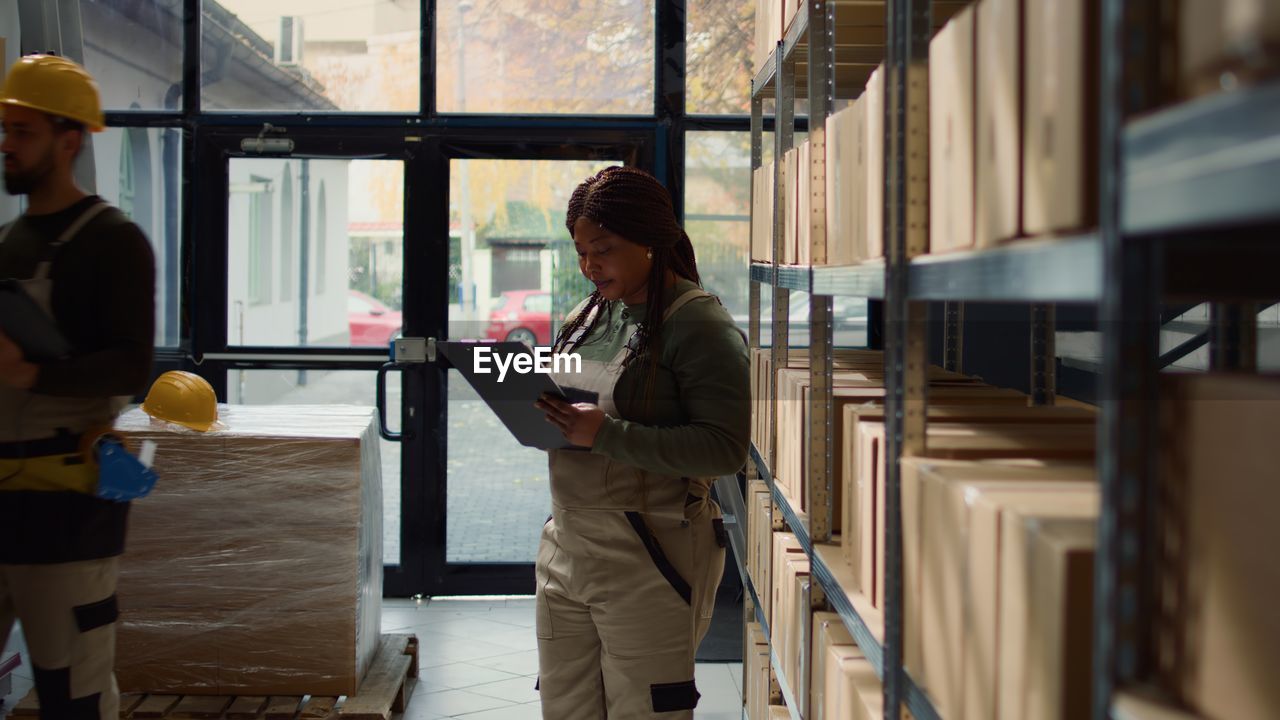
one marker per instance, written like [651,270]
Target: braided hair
[633,204]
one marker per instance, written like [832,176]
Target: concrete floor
[479,661]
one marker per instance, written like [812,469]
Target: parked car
[523,315]
[371,323]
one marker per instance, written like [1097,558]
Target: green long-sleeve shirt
[699,424]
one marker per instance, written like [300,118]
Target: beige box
[804,204]
[984,437]
[763,536]
[951,135]
[755,674]
[1220,575]
[1055,657]
[998,159]
[1147,705]
[758,508]
[233,543]
[956,532]
[852,490]
[828,631]
[846,180]
[795,622]
[838,691]
[915,530]
[859,694]
[868,700]
[762,202]
[1060,116]
[785,547]
[873,127]
[958,442]
[995,607]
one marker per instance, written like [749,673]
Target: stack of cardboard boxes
[1013,123]
[258,533]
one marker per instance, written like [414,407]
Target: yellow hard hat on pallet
[183,398]
[57,86]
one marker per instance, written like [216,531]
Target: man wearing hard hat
[90,272]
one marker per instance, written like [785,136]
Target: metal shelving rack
[1188,211]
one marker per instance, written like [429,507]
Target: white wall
[275,322]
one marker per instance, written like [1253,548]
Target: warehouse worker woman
[90,270]
[629,563]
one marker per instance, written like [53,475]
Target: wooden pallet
[386,688]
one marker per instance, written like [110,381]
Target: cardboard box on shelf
[804,204]
[757,506]
[868,700]
[785,547]
[915,529]
[828,631]
[1148,705]
[838,690]
[997,158]
[1219,460]
[996,616]
[846,178]
[961,508]
[764,556]
[755,675]
[956,442]
[951,135]
[796,649]
[1060,116]
[859,694]
[873,127]
[1054,659]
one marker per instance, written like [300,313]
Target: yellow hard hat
[183,398]
[57,86]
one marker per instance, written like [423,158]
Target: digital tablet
[28,326]
[513,392]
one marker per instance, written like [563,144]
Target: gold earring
[649,254]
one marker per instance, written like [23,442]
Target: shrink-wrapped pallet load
[255,566]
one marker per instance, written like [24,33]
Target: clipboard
[29,326]
[513,397]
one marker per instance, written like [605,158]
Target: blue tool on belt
[122,476]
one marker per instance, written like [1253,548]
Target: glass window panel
[514,275]
[139,171]
[719,50]
[717,210]
[312,55]
[333,387]
[499,494]
[133,48]
[509,245]
[545,56]
[308,272]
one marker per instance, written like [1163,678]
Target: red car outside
[371,323]
[523,315]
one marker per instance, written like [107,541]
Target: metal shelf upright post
[906,354]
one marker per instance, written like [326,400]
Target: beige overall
[68,610]
[626,578]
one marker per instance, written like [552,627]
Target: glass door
[313,246]
[512,274]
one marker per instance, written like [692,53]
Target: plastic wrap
[255,566]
